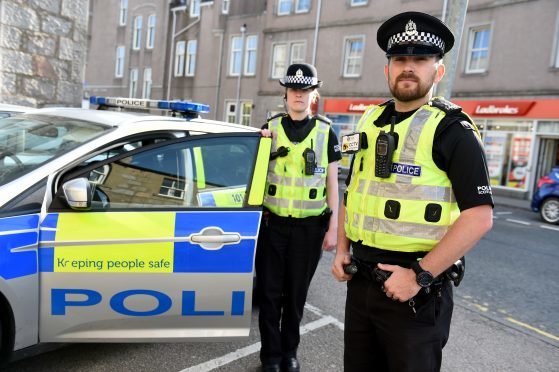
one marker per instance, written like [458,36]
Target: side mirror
[77,193]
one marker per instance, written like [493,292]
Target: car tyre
[550,210]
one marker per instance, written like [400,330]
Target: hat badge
[411,28]
[299,73]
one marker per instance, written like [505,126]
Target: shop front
[521,137]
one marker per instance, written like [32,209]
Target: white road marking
[549,227]
[254,348]
[503,212]
[518,221]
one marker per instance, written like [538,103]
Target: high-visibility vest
[289,192]
[412,209]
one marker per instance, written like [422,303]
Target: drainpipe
[218,83]
[173,36]
[315,43]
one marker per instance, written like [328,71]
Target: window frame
[242,103]
[356,3]
[123,12]
[232,57]
[248,53]
[273,75]
[133,83]
[150,32]
[345,57]
[137,33]
[278,9]
[190,59]
[472,32]
[298,43]
[179,64]
[119,66]
[288,59]
[147,83]
[225,6]
[195,6]
[298,11]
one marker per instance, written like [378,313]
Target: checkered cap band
[420,37]
[305,80]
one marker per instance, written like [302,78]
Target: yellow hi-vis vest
[289,192]
[412,209]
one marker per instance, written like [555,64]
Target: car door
[142,254]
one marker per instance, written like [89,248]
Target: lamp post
[238,104]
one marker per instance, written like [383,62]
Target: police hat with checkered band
[414,33]
[301,76]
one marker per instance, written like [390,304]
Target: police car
[127,227]
[7,110]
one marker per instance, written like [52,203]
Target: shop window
[353,56]
[478,49]
[342,125]
[508,151]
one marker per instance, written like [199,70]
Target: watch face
[424,279]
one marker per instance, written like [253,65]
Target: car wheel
[550,210]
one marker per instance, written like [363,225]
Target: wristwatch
[424,278]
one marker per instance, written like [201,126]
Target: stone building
[42,51]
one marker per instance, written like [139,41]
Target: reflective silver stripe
[408,191]
[406,229]
[273,127]
[322,130]
[315,181]
[412,139]
[297,204]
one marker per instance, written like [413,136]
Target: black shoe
[291,364]
[271,367]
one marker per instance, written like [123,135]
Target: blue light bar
[146,104]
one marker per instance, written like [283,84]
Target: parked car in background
[7,110]
[546,198]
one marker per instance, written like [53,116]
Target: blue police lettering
[406,169]
[89,297]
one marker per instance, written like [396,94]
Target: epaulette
[323,119]
[386,102]
[444,105]
[277,116]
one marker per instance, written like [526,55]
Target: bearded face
[411,78]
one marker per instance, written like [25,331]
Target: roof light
[146,104]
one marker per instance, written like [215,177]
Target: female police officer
[300,219]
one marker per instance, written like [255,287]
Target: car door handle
[225,238]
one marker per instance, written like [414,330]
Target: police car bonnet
[414,33]
[301,76]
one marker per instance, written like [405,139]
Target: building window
[478,49]
[179,58]
[150,37]
[297,53]
[358,2]
[235,60]
[225,6]
[353,56]
[123,12]
[279,56]
[133,83]
[284,7]
[191,57]
[231,112]
[195,8]
[137,36]
[250,54]
[302,6]
[172,188]
[119,65]
[146,89]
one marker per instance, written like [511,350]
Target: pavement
[511,202]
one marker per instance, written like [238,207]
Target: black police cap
[301,76]
[414,33]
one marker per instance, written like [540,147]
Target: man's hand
[402,284]
[330,240]
[341,259]
[266,132]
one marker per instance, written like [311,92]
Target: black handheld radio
[384,150]
[310,160]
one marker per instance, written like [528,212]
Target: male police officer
[301,184]
[416,202]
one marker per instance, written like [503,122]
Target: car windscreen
[27,142]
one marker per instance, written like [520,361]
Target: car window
[199,173]
[27,142]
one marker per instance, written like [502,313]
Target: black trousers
[286,259]
[385,335]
